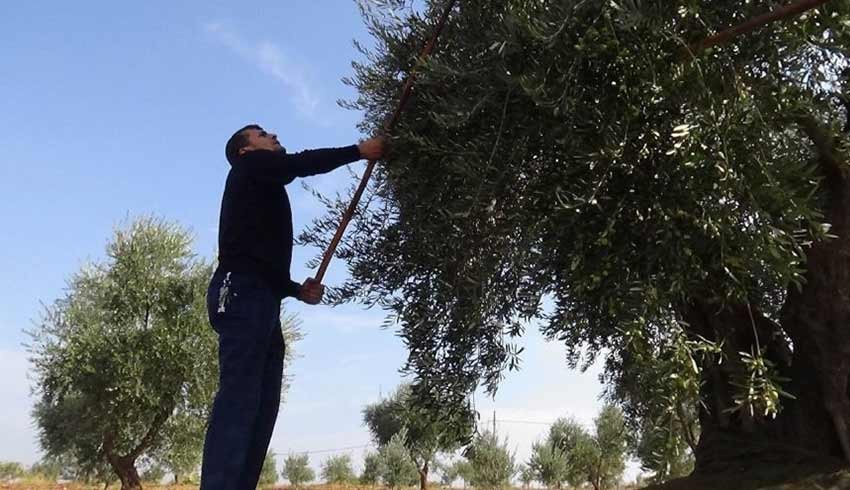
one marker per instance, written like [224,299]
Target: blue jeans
[245,314]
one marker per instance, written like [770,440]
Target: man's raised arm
[286,167]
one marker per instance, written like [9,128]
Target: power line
[532,422]
[316,451]
[348,448]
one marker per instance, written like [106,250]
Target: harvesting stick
[388,126]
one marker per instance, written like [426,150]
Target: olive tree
[691,206]
[125,363]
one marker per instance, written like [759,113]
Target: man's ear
[243,150]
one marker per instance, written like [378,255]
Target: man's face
[259,139]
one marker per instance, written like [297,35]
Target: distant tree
[547,464]
[110,357]
[296,469]
[371,469]
[426,433]
[268,475]
[575,446]
[10,470]
[337,469]
[446,471]
[49,468]
[571,455]
[463,469]
[91,472]
[607,453]
[385,419]
[563,456]
[492,463]
[153,473]
[125,363]
[397,466]
[526,475]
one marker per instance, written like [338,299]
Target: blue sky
[115,109]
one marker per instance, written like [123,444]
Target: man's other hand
[373,148]
[311,292]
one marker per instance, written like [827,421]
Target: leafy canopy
[560,163]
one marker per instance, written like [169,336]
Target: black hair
[237,142]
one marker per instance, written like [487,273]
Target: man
[244,296]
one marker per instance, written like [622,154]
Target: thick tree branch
[159,420]
[725,36]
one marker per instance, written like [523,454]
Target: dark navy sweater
[255,225]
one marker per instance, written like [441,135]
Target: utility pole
[494,423]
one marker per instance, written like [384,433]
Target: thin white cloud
[272,60]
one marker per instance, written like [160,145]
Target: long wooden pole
[779,13]
[388,126]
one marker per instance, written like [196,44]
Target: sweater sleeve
[292,289]
[284,167]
